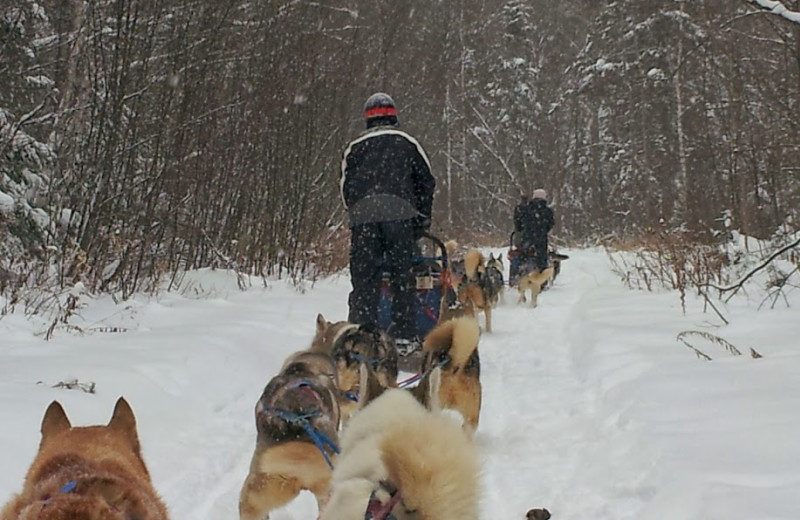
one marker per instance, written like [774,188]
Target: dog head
[363,344]
[87,472]
[326,334]
[119,436]
[495,262]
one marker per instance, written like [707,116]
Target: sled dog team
[480,282]
[335,421]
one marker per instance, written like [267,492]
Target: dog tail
[459,336]
[437,477]
[473,263]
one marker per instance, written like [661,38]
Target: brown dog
[473,290]
[297,412]
[87,473]
[453,346]
[533,282]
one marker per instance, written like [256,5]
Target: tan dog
[473,290]
[453,346]
[87,473]
[533,282]
[401,458]
[298,409]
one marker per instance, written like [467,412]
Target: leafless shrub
[670,259]
[74,384]
[684,337]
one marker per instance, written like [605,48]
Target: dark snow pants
[377,248]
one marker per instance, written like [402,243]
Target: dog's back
[435,466]
[87,473]
[299,389]
[533,282]
[395,445]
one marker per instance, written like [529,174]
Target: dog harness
[321,441]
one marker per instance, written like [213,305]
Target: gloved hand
[420,224]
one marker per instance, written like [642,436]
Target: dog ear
[55,420]
[124,421]
[369,387]
[322,323]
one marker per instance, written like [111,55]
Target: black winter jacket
[386,176]
[533,220]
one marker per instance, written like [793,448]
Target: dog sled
[434,292]
[521,260]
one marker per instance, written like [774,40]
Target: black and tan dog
[404,460]
[453,346]
[473,291]
[297,423]
[495,281]
[362,344]
[87,473]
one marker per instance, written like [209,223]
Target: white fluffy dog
[401,458]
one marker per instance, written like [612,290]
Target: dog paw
[538,514]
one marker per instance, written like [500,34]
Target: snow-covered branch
[777,8]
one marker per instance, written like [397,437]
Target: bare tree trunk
[75,81]
[682,184]
[449,163]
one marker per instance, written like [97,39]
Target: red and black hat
[380,109]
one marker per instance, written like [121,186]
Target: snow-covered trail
[542,421]
[538,419]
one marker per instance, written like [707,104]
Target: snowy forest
[140,138]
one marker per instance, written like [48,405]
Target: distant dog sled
[522,262]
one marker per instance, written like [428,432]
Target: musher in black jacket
[387,188]
[533,220]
